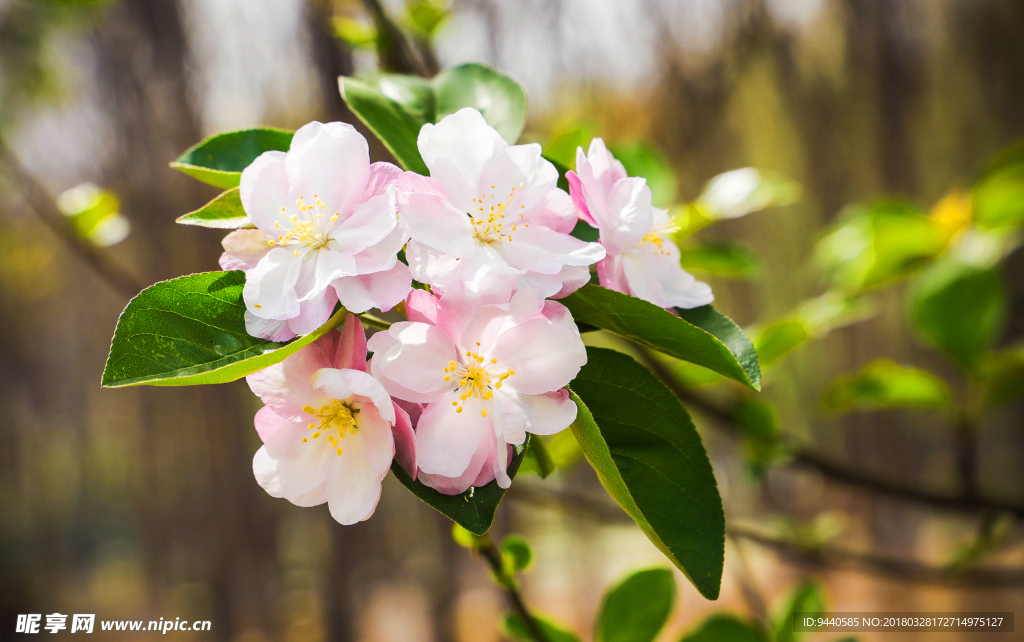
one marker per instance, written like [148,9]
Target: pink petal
[285,387]
[456,150]
[354,478]
[269,329]
[419,359]
[313,313]
[446,439]
[351,352]
[578,197]
[383,290]
[383,255]
[548,413]
[421,307]
[382,176]
[343,384]
[243,249]
[367,224]
[433,221]
[405,442]
[544,355]
[269,290]
[480,471]
[543,250]
[610,275]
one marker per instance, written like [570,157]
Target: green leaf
[517,551]
[703,335]
[190,331]
[516,629]
[644,161]
[959,308]
[473,509]
[806,598]
[395,107]
[780,338]
[538,461]
[425,16]
[501,100]
[465,539]
[877,243]
[650,459]
[220,159]
[561,148]
[721,258]
[998,197]
[636,609]
[354,33]
[885,384]
[743,191]
[224,212]
[1002,375]
[726,628]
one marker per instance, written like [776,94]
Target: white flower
[326,230]
[642,260]
[516,233]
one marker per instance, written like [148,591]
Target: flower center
[489,225]
[337,416]
[475,379]
[656,236]
[307,229]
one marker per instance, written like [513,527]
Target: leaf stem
[491,553]
[374,322]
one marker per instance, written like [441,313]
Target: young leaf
[806,598]
[518,552]
[702,335]
[538,460]
[517,630]
[721,258]
[473,509]
[220,159]
[650,459]
[726,628]
[885,384]
[224,212]
[501,100]
[396,107]
[998,198]
[190,331]
[636,609]
[780,338]
[959,308]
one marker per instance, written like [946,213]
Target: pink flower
[642,260]
[326,230]
[329,429]
[487,374]
[516,233]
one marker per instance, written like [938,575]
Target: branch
[824,556]
[724,418]
[44,206]
[493,557]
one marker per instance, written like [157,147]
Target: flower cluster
[485,355]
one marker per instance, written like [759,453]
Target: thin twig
[39,199]
[724,418]
[491,553]
[825,556]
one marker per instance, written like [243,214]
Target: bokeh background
[140,503]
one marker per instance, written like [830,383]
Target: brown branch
[825,556]
[723,417]
[39,199]
[491,553]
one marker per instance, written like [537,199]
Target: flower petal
[263,189]
[480,471]
[344,384]
[544,250]
[415,361]
[354,478]
[269,329]
[243,249]
[285,387]
[405,442]
[446,439]
[269,290]
[545,356]
[351,350]
[433,221]
[382,176]
[367,224]
[421,307]
[313,313]
[630,215]
[455,151]
[548,413]
[383,290]
[329,160]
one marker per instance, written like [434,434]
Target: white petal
[545,356]
[243,249]
[269,290]
[342,384]
[432,221]
[264,189]
[544,250]
[455,151]
[329,160]
[446,439]
[383,290]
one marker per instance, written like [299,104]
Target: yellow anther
[458,410]
[339,452]
[483,413]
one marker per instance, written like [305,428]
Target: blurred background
[140,503]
